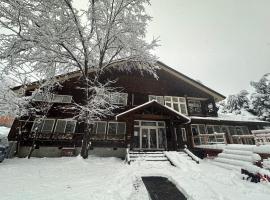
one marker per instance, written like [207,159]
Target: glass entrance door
[149,138]
[149,135]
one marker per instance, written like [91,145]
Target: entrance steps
[147,156]
[236,158]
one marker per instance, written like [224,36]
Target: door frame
[156,128]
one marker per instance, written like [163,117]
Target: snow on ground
[110,178]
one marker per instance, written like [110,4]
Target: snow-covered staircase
[181,159]
[147,156]
[236,158]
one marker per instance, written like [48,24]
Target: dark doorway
[161,188]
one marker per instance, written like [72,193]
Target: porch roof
[167,110]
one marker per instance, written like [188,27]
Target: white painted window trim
[42,124]
[66,120]
[199,131]
[184,134]
[118,95]
[106,127]
[179,103]
[155,97]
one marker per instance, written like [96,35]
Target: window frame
[116,134]
[192,109]
[66,120]
[118,97]
[180,101]
[42,125]
[155,97]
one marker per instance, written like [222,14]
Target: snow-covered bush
[260,99]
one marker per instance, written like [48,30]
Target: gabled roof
[154,103]
[217,96]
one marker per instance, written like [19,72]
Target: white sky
[223,43]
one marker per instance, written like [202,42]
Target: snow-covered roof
[148,103]
[245,116]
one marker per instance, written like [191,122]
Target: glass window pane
[182,100]
[57,98]
[217,129]
[101,127]
[175,99]
[70,127]
[232,130]
[168,104]
[160,99]
[238,130]
[202,129]
[66,99]
[167,98]
[136,123]
[194,130]
[210,129]
[176,107]
[161,123]
[112,128]
[151,97]
[37,125]
[47,126]
[245,130]
[60,126]
[121,129]
[143,123]
[183,108]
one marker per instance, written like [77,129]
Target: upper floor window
[119,98]
[194,106]
[159,99]
[54,98]
[176,103]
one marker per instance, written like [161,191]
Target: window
[116,130]
[184,134]
[119,98]
[99,130]
[213,129]
[159,99]
[54,98]
[176,103]
[198,129]
[43,126]
[42,97]
[65,126]
[61,98]
[194,106]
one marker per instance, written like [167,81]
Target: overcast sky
[223,43]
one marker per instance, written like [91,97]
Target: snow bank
[109,178]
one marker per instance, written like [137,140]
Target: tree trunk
[85,141]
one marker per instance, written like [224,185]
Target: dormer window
[119,98]
[194,106]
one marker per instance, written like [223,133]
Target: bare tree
[42,35]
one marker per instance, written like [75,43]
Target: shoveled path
[161,188]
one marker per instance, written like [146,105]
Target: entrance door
[149,138]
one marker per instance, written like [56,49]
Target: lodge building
[154,114]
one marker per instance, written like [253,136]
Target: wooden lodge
[155,114]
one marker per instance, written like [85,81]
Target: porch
[152,126]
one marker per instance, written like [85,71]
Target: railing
[190,154]
[127,154]
[206,139]
[243,139]
[261,137]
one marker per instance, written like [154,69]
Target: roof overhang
[169,111]
[217,96]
